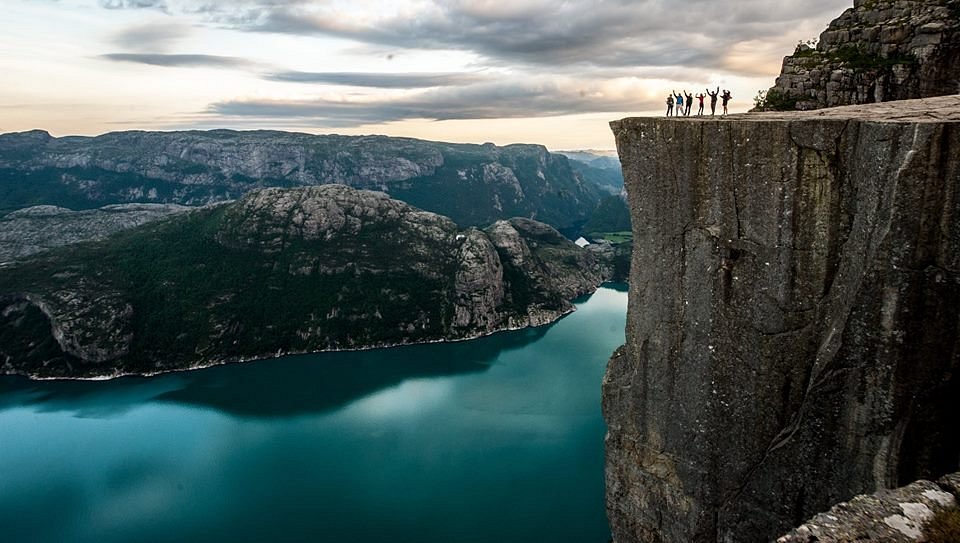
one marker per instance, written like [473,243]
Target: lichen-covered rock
[280,271]
[792,332]
[879,50]
[894,516]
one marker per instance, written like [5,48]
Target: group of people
[685,101]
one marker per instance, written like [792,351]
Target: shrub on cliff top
[944,527]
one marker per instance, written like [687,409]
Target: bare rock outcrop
[894,516]
[39,228]
[793,334]
[876,51]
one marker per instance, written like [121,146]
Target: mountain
[280,271]
[876,51]
[599,168]
[472,184]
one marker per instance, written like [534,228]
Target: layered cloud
[357,63]
[490,100]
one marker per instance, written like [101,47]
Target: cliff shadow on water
[284,387]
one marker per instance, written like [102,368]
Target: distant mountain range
[474,185]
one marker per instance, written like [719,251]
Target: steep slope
[472,184]
[793,333]
[877,51]
[281,270]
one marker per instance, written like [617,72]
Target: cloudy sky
[539,71]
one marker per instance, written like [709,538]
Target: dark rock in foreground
[793,335]
[280,271]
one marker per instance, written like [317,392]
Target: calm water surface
[493,440]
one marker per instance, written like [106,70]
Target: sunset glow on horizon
[532,71]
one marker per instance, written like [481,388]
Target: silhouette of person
[689,101]
[669,105]
[713,100]
[679,102]
[700,97]
[726,98]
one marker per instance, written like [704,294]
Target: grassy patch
[613,237]
[944,527]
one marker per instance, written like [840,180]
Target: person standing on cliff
[700,97]
[669,105]
[713,100]
[726,98]
[679,101]
[689,101]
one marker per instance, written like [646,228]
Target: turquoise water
[493,440]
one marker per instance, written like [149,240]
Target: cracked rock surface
[792,332]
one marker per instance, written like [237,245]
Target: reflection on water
[498,439]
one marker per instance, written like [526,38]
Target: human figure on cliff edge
[713,100]
[679,101]
[669,105]
[700,97]
[726,98]
[688,98]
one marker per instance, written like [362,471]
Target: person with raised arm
[713,100]
[679,102]
[726,98]
[688,98]
[700,97]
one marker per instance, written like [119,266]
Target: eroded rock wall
[876,51]
[792,335]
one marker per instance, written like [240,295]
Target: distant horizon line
[174,130]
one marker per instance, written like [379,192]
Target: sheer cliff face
[876,51]
[792,337]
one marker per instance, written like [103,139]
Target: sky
[504,71]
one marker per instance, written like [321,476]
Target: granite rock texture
[876,51]
[793,334]
[894,516]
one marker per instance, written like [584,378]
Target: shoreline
[280,353]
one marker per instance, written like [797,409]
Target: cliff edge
[793,334]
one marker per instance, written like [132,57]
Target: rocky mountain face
[472,184]
[877,51]
[792,333]
[35,229]
[280,271]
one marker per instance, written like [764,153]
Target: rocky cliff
[473,184]
[280,271]
[877,51]
[793,335]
